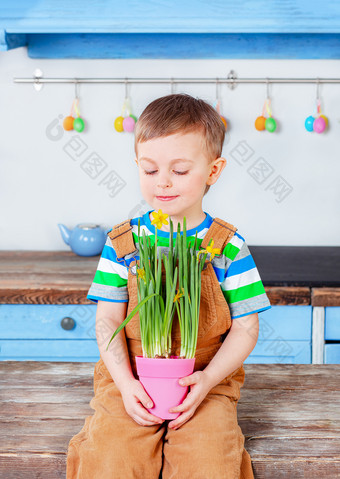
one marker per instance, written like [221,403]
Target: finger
[146,401]
[188,380]
[143,422]
[185,406]
[183,418]
[148,416]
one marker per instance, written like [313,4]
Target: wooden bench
[289,414]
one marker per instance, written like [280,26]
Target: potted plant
[158,370]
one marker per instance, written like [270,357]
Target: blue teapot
[85,239]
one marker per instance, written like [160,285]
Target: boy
[178,145]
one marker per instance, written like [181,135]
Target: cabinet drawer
[332,323]
[49,350]
[281,351]
[332,354]
[44,321]
[286,322]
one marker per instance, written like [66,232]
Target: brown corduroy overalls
[210,445]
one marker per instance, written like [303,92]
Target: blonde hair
[183,113]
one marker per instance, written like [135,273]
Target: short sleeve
[242,285]
[110,280]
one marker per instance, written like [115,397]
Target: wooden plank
[62,277]
[325,296]
[287,433]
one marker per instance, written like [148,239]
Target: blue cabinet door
[332,323]
[39,332]
[285,336]
[332,335]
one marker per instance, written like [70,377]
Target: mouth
[166,198]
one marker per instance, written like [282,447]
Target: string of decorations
[126,121]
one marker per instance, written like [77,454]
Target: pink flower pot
[160,377]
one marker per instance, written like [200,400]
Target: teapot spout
[65,233]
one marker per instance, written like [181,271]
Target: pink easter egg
[128,124]
[319,125]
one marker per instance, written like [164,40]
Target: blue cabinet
[332,335]
[40,332]
[285,336]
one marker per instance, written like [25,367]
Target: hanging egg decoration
[119,124]
[129,124]
[260,123]
[224,122]
[319,123]
[68,123]
[78,124]
[325,118]
[270,124]
[309,122]
[127,121]
[266,123]
[74,123]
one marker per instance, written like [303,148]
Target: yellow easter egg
[325,118]
[119,124]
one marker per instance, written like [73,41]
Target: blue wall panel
[172,29]
[181,45]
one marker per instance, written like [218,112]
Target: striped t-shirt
[235,269]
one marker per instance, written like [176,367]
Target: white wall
[41,185]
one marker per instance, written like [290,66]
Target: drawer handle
[67,323]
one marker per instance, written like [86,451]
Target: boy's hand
[200,386]
[135,401]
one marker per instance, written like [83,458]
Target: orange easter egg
[224,121]
[68,123]
[260,123]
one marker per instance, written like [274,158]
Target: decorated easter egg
[270,124]
[119,124]
[78,124]
[134,117]
[309,123]
[128,124]
[68,123]
[319,125]
[224,121]
[326,119]
[260,123]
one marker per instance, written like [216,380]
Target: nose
[164,181]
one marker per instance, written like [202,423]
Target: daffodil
[178,295]
[141,273]
[210,249]
[160,218]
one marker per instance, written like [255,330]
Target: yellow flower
[210,249]
[178,295]
[159,218]
[141,273]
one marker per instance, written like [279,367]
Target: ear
[216,169]
[136,160]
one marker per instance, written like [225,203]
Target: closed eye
[177,172]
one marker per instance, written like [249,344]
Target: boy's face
[176,166]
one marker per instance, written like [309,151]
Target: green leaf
[133,312]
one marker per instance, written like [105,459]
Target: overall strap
[122,239]
[221,232]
